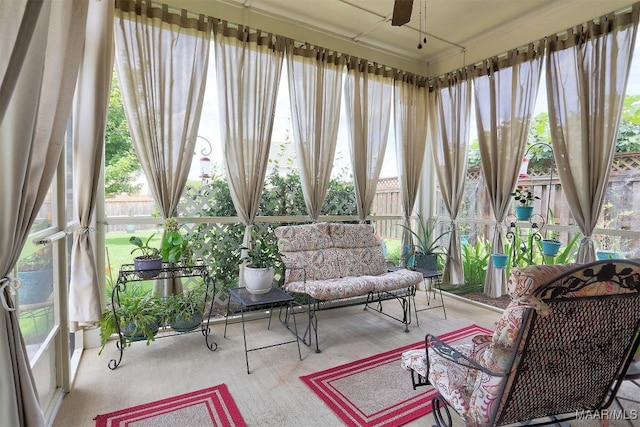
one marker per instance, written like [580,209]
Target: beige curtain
[249,65]
[410,115]
[89,121]
[161,60]
[42,45]
[367,91]
[315,89]
[449,123]
[587,72]
[505,94]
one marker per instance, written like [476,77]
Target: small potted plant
[139,315]
[426,244]
[261,259]
[184,311]
[149,263]
[551,245]
[524,199]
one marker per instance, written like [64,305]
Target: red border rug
[212,406]
[376,391]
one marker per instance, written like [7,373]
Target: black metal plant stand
[524,239]
[128,274]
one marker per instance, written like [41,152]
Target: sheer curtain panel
[587,73]
[505,94]
[42,44]
[449,123]
[367,90]
[249,66]
[315,89]
[89,122]
[410,111]
[161,60]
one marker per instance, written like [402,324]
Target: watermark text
[609,414]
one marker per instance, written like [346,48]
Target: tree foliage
[541,156]
[122,167]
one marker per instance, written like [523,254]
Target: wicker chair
[559,351]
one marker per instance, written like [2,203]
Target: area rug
[212,406]
[376,391]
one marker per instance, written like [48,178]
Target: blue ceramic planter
[523,213]
[550,247]
[602,255]
[499,260]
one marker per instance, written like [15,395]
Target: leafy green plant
[175,244]
[475,259]
[139,315]
[523,196]
[185,305]
[144,247]
[426,240]
[261,255]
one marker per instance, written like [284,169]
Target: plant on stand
[184,311]
[427,245]
[550,245]
[149,263]
[523,198]
[262,259]
[137,316]
[176,246]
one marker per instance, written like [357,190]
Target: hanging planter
[499,260]
[550,247]
[604,255]
[523,213]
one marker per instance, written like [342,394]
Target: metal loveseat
[559,351]
[334,265]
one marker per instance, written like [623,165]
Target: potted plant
[149,263]
[176,246]
[139,315]
[261,259]
[523,198]
[184,311]
[36,277]
[426,244]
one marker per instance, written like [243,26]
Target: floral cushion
[360,261]
[303,237]
[333,261]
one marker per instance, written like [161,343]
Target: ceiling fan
[401,12]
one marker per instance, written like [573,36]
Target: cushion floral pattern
[339,261]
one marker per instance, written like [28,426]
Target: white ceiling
[459,32]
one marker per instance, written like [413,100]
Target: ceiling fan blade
[401,12]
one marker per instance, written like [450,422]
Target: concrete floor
[273,394]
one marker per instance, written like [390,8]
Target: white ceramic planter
[258,280]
